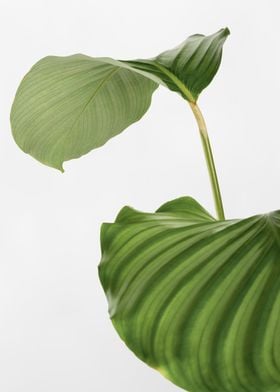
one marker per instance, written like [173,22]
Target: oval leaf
[67,106]
[195,298]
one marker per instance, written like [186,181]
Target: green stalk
[209,160]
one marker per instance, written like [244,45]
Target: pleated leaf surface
[195,298]
[190,67]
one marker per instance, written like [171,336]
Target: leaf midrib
[181,86]
[111,74]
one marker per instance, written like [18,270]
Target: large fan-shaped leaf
[195,298]
[67,106]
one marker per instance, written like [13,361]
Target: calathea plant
[195,297]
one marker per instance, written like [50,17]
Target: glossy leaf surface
[67,106]
[195,298]
[190,67]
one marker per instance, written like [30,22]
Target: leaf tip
[226,31]
[222,34]
[56,165]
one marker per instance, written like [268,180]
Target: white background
[55,335]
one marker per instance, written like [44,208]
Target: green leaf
[195,298]
[190,67]
[67,106]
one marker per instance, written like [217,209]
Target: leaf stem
[209,160]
